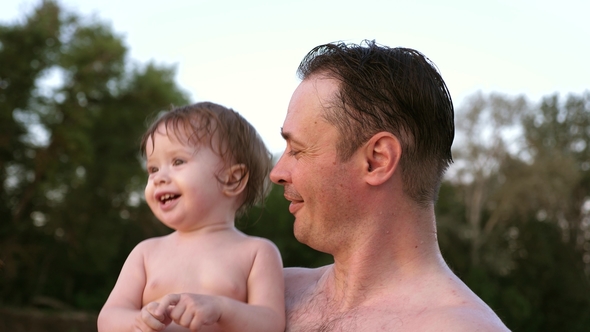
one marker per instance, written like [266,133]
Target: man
[369,133]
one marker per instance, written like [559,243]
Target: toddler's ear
[235,180]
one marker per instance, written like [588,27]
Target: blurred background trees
[513,213]
[73,107]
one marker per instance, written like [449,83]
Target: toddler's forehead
[183,134]
[174,136]
[190,135]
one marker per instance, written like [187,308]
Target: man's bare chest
[354,320]
[316,313]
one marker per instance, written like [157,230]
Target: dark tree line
[513,214]
[72,108]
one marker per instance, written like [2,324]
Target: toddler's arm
[122,310]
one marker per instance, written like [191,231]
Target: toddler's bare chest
[201,274]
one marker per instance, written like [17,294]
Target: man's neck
[383,262]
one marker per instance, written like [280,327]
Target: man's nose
[279,173]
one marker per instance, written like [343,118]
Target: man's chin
[299,234]
[305,237]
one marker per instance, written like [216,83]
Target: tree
[531,207]
[486,128]
[559,133]
[73,107]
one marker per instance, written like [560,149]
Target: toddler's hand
[152,319]
[191,310]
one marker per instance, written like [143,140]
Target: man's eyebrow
[289,137]
[286,136]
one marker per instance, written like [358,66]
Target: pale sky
[244,54]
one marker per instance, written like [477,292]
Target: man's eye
[293,152]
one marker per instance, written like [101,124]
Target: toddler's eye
[177,162]
[152,170]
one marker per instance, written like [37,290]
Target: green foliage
[71,201]
[532,222]
[558,136]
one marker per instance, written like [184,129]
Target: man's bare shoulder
[459,318]
[452,306]
[297,278]
[300,286]
[440,301]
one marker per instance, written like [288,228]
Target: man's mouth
[292,195]
[295,199]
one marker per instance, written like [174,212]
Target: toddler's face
[182,185]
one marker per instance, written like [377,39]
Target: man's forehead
[320,86]
[312,97]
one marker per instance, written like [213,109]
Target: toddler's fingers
[177,312]
[146,322]
[187,319]
[151,310]
[165,303]
[195,323]
[153,324]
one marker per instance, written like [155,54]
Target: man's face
[319,186]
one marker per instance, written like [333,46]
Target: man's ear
[235,180]
[382,154]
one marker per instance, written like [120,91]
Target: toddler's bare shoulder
[149,245]
[259,243]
